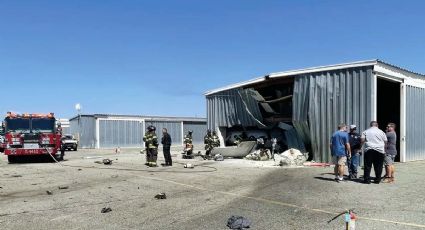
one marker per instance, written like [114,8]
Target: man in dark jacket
[355,143]
[166,144]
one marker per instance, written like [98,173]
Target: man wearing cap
[340,149]
[374,141]
[390,153]
[355,144]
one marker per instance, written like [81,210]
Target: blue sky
[159,57]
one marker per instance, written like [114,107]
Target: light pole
[78,108]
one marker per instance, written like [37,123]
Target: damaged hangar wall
[226,109]
[323,100]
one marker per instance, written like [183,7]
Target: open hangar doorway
[389,107]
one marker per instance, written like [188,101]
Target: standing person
[215,140]
[188,143]
[151,144]
[208,143]
[374,141]
[390,153]
[166,146]
[356,148]
[340,149]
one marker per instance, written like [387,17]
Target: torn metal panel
[323,100]
[242,150]
[232,108]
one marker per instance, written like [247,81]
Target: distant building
[65,125]
[111,131]
[315,100]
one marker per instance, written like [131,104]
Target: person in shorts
[340,149]
[390,153]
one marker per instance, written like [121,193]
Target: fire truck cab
[31,134]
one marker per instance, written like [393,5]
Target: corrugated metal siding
[66,130]
[323,100]
[415,124]
[227,109]
[199,130]
[174,129]
[85,129]
[120,133]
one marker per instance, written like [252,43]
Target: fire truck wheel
[75,149]
[12,159]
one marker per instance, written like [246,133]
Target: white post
[97,133]
[182,131]
[403,122]
[374,97]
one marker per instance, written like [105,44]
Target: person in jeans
[374,141]
[390,153]
[340,146]
[356,148]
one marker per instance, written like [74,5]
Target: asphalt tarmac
[71,195]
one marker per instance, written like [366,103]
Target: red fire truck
[31,134]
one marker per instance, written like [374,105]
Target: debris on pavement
[218,157]
[238,222]
[106,210]
[189,166]
[160,196]
[258,156]
[291,157]
[63,187]
[317,164]
[49,192]
[16,175]
[107,161]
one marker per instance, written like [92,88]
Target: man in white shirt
[373,141]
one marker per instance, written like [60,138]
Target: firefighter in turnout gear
[151,144]
[208,143]
[215,140]
[188,143]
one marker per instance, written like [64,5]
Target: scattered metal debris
[79,169]
[291,157]
[218,157]
[160,196]
[106,210]
[63,187]
[259,155]
[16,175]
[189,166]
[238,222]
[107,161]
[49,192]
